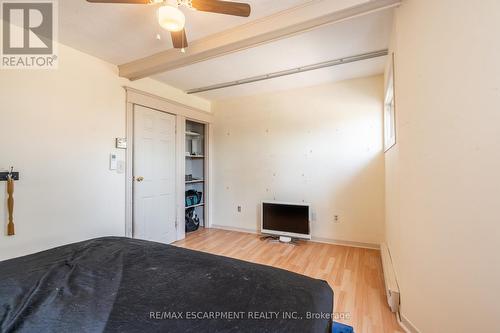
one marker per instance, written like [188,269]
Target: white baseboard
[406,324]
[223,227]
[346,243]
[314,239]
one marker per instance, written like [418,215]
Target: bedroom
[299,114]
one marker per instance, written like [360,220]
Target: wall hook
[5,176]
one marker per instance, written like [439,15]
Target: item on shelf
[192,220]
[192,198]
[194,146]
[191,133]
[189,177]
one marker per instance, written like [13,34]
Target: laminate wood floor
[355,274]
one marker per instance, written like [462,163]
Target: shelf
[195,156]
[189,133]
[194,206]
[194,181]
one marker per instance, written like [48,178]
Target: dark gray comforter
[127,285]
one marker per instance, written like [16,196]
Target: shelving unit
[194,181]
[194,206]
[195,166]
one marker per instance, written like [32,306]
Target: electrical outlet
[239,209]
[336,219]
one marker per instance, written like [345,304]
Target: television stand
[281,239]
[284,239]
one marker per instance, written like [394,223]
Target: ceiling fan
[171,18]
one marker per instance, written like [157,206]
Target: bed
[118,284]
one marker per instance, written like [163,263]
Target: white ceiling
[122,33]
[360,35]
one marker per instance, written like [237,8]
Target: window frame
[390,110]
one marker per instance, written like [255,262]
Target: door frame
[182,113]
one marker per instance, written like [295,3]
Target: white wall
[57,129]
[321,145]
[443,182]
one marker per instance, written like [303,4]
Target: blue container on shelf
[193,198]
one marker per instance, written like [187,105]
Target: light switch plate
[121,143]
[121,167]
[113,163]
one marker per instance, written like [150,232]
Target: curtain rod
[330,63]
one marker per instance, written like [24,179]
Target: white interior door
[154,175]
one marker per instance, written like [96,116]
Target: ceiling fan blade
[179,39]
[138,2]
[223,7]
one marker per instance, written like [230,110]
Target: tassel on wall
[10,204]
[10,177]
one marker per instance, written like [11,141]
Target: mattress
[118,284]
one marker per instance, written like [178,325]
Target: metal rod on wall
[330,63]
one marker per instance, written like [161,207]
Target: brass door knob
[139,179]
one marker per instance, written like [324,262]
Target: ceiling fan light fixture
[171,18]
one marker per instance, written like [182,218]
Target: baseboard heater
[391,284]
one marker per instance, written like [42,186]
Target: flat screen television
[287,220]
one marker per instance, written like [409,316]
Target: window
[389,111]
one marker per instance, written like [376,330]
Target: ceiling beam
[309,16]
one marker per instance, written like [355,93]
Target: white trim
[339,242]
[362,245]
[135,96]
[129,175]
[209,148]
[405,324]
[180,138]
[245,230]
[182,112]
[389,108]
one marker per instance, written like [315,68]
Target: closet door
[154,175]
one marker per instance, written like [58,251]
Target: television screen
[285,218]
